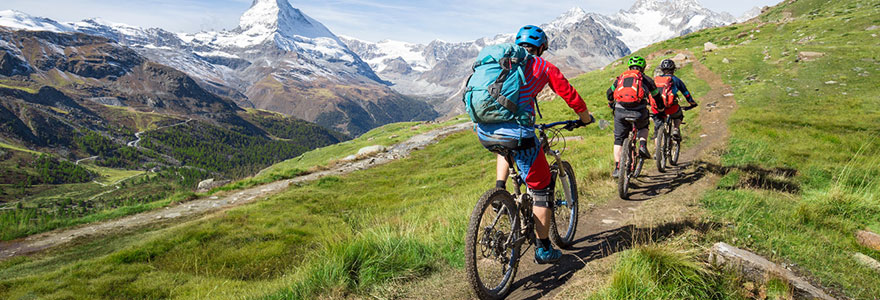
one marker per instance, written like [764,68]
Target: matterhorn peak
[278,16]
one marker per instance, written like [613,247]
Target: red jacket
[539,72]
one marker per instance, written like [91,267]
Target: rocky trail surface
[43,241]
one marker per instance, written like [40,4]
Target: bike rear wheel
[565,206]
[660,149]
[491,251]
[626,161]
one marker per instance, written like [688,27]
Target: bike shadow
[597,246]
[650,186]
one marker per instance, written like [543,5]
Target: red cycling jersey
[539,72]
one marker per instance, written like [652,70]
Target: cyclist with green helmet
[628,97]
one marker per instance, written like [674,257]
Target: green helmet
[637,61]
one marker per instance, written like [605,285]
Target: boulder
[709,47]
[867,261]
[210,183]
[807,55]
[370,150]
[868,239]
[758,269]
[680,58]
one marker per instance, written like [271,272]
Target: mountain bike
[502,222]
[630,160]
[667,149]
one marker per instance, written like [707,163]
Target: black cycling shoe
[643,152]
[615,173]
[676,135]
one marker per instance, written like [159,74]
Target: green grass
[16,148]
[803,155]
[112,176]
[664,272]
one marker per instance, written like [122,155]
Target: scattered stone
[158,217]
[868,239]
[709,47]
[172,215]
[349,158]
[680,58]
[370,150]
[607,221]
[573,138]
[728,95]
[873,35]
[214,198]
[370,139]
[703,135]
[758,269]
[807,55]
[415,127]
[831,82]
[874,27]
[604,124]
[867,261]
[725,60]
[393,136]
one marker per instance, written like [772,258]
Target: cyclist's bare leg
[617,153]
[502,168]
[542,221]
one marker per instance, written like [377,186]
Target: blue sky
[372,20]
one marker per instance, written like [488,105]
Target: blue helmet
[532,35]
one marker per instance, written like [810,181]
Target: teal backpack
[492,91]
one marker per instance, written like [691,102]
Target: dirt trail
[39,242]
[657,207]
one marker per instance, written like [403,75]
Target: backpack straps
[495,92]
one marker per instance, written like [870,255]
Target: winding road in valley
[138,134]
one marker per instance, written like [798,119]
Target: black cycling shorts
[622,127]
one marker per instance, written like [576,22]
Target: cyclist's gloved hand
[611,105]
[692,106]
[571,126]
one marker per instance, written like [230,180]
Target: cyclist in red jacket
[674,111]
[628,98]
[530,155]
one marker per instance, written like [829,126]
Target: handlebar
[569,125]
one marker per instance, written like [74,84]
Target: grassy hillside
[803,157]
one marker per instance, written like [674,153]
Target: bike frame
[527,232]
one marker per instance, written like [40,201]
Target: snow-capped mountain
[651,21]
[278,58]
[579,42]
[751,13]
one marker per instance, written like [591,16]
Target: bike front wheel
[565,206]
[674,152]
[491,248]
[626,161]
